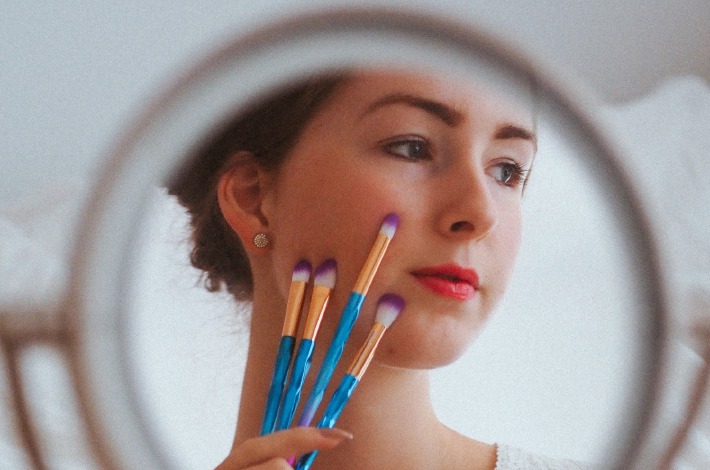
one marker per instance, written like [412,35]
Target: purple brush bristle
[389,225]
[301,272]
[325,273]
[389,306]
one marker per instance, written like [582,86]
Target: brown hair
[268,130]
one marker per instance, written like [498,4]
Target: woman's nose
[469,210]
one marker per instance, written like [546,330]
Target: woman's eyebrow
[511,131]
[445,113]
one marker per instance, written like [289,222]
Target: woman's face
[445,155]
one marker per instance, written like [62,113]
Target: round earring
[261,240]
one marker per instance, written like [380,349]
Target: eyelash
[518,175]
[516,178]
[390,147]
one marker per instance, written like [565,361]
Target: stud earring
[261,240]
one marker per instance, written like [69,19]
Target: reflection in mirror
[520,328]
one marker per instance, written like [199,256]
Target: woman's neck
[392,421]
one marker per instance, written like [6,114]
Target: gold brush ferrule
[319,301]
[367,351]
[293,308]
[372,263]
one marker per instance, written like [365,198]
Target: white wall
[73,73]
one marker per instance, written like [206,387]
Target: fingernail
[335,433]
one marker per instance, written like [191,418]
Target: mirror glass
[558,369]
[566,363]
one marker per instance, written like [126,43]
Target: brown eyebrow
[447,114]
[510,131]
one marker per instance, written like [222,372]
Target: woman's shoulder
[513,458]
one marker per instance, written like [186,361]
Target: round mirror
[533,297]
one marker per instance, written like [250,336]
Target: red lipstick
[449,280]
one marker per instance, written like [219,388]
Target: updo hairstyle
[268,130]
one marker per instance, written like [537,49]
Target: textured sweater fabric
[513,458]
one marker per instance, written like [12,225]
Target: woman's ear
[241,191]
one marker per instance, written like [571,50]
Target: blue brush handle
[298,375]
[331,415]
[332,356]
[283,357]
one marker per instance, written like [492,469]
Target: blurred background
[71,66]
[74,74]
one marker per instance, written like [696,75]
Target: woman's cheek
[505,256]
[344,228]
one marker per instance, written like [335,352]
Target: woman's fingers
[272,450]
[273,464]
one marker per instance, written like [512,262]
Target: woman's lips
[449,280]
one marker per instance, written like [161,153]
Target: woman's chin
[425,355]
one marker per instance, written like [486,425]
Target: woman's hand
[273,450]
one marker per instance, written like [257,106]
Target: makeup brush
[299,279]
[323,282]
[349,316]
[389,307]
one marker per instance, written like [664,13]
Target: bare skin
[449,172]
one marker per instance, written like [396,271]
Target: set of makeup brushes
[283,399]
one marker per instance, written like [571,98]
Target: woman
[313,172]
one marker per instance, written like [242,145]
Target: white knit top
[512,458]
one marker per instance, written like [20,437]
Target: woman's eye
[411,149]
[509,174]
